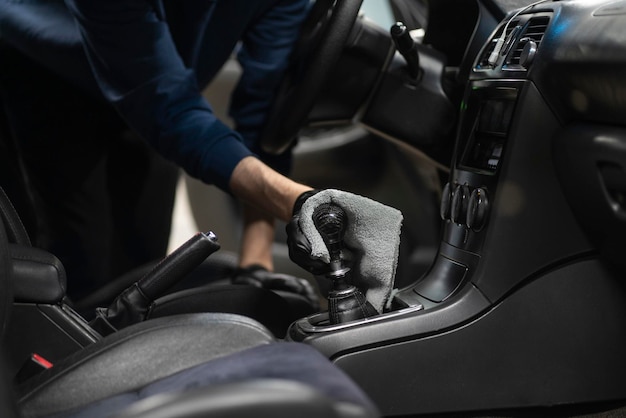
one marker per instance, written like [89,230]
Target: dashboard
[533,214]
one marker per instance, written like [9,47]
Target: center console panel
[514,287]
[514,310]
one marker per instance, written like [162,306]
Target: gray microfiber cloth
[372,234]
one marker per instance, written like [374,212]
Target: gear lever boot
[348,305]
[345,301]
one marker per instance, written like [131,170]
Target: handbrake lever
[134,303]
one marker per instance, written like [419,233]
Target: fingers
[257,276]
[300,249]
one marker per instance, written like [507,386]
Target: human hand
[372,237]
[258,276]
[298,244]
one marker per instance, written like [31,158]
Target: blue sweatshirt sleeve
[138,69]
[264,56]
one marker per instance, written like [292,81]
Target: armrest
[38,276]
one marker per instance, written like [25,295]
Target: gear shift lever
[330,221]
[345,301]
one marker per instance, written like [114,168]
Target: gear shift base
[348,304]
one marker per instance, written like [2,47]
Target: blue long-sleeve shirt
[151,59]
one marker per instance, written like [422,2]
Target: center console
[506,312]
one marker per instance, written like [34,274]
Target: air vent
[533,31]
[521,30]
[483,64]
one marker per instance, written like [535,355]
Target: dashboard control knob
[446,197]
[458,210]
[477,209]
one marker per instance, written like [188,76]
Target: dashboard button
[444,210]
[458,210]
[477,209]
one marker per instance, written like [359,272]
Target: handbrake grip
[134,303]
[178,264]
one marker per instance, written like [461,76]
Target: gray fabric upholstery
[314,383]
[136,356]
[257,398]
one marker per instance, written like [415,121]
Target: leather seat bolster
[134,357]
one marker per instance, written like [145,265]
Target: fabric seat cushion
[137,356]
[284,361]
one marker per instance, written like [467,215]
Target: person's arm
[139,71]
[260,186]
[257,239]
[264,56]
[253,182]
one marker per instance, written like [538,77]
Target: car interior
[495,126]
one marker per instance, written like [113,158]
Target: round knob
[528,53]
[446,197]
[330,221]
[458,210]
[477,209]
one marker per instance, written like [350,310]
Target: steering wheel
[324,34]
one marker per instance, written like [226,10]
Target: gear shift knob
[345,302]
[330,221]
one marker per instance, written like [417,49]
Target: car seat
[212,290]
[208,364]
[275,309]
[181,294]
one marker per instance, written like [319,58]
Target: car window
[378,11]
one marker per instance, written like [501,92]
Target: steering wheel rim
[323,37]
